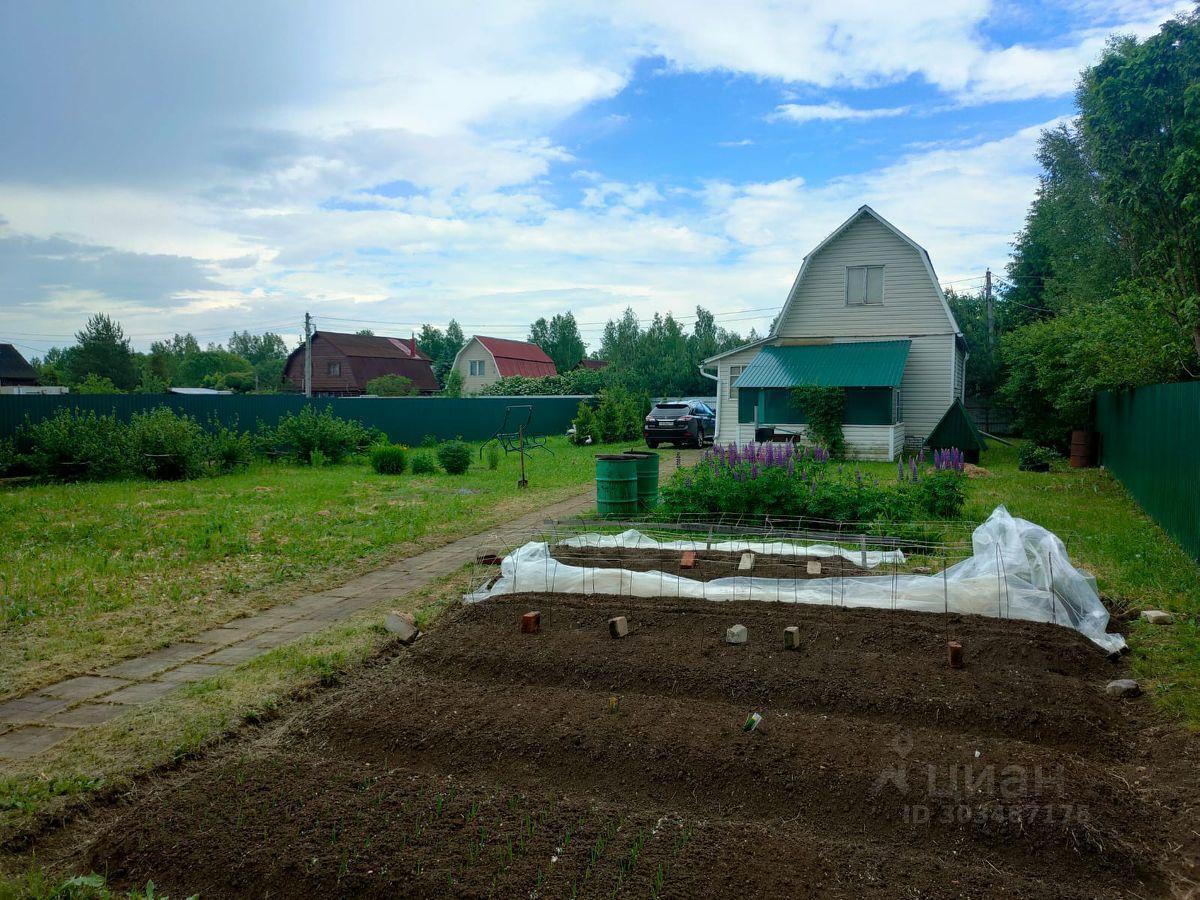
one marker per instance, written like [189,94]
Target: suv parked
[680,422]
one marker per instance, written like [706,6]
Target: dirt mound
[484,762]
[708,564]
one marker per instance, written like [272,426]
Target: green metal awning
[856,364]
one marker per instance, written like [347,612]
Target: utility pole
[991,319]
[308,355]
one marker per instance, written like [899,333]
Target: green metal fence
[1151,443]
[404,419]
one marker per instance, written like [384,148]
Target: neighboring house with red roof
[484,360]
[342,364]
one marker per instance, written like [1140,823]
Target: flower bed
[789,481]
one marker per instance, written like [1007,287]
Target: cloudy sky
[206,166]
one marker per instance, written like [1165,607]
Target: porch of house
[869,373]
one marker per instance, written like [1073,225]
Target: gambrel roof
[863,210]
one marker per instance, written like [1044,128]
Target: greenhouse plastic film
[635,540]
[1016,570]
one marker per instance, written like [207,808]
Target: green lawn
[93,573]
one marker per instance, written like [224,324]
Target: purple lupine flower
[858,476]
[915,475]
[900,469]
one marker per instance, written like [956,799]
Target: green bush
[73,445]
[228,448]
[941,495]
[455,457]
[8,456]
[165,445]
[392,386]
[1034,457]
[307,432]
[389,459]
[493,456]
[423,464]
[587,429]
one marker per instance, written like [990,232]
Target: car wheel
[653,445]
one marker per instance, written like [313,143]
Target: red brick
[954,654]
[531,623]
[689,560]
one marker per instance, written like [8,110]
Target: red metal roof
[518,357]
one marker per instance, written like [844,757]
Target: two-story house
[866,314]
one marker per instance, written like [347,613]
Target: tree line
[661,358]
[1103,287]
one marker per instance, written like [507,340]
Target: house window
[734,372]
[334,368]
[477,367]
[864,285]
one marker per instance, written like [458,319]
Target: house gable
[912,301]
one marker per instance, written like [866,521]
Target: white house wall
[473,350]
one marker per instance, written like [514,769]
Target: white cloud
[831,112]
[400,159]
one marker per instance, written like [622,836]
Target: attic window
[477,367]
[334,368]
[864,285]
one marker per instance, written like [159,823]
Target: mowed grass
[94,573]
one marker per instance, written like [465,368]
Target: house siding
[911,303]
[474,350]
[927,387]
[727,409]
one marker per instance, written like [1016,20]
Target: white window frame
[730,390]
[480,364]
[866,301]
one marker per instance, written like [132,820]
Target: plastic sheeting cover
[1017,570]
[635,540]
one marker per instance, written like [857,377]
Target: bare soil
[486,762]
[708,564]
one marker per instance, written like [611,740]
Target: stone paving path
[37,721]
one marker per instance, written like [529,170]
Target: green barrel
[616,485]
[647,475]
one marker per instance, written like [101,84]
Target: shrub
[391,386]
[389,459]
[74,445]
[941,494]
[165,445]
[423,464]
[8,456]
[1034,457]
[587,430]
[228,448]
[97,384]
[824,409]
[308,432]
[455,457]
[429,441]
[493,456]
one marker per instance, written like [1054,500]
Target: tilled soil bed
[709,564]
[486,762]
